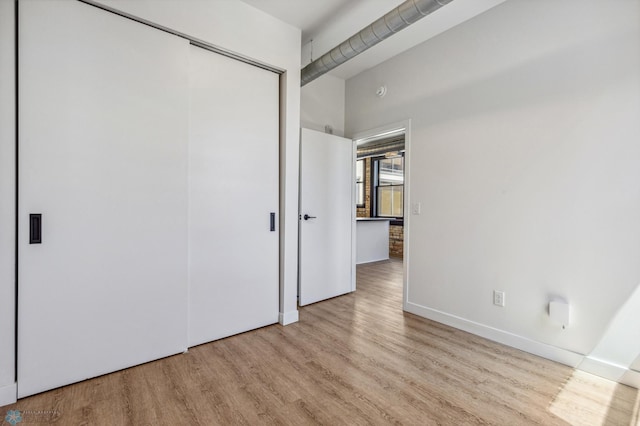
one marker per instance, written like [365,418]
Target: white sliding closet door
[103,158]
[233,189]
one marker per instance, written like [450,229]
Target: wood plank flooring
[353,360]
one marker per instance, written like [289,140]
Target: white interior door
[233,192]
[327,216]
[103,158]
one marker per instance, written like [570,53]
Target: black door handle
[307,217]
[35,228]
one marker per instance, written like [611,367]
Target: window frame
[375,173]
[361,183]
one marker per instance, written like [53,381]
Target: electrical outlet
[498,298]
[415,209]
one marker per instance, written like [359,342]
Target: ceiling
[306,15]
[327,23]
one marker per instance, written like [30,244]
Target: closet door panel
[233,189]
[103,128]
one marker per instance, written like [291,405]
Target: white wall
[619,347]
[322,104]
[7,203]
[242,29]
[524,155]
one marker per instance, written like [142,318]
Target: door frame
[398,125]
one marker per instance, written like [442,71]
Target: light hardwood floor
[354,360]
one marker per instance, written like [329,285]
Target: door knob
[307,217]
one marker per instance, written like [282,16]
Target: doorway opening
[381,179]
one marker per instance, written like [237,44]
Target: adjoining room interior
[472,235]
[380,176]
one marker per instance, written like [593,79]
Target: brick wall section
[396,239]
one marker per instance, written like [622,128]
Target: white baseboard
[610,371]
[8,394]
[631,378]
[286,318]
[544,350]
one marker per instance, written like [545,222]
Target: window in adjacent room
[389,186]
